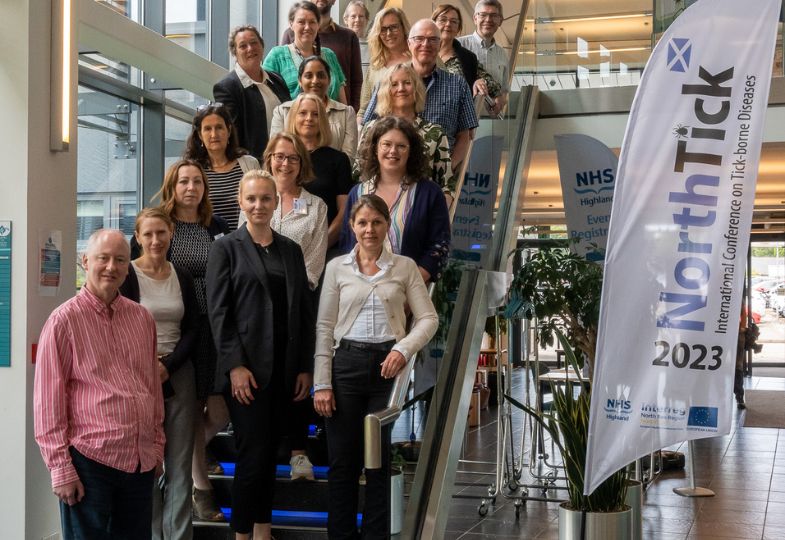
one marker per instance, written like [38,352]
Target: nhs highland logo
[618,409]
[679,52]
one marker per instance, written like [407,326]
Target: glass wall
[108,177]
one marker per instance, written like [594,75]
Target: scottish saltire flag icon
[679,50]
[703,417]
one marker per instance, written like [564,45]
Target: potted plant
[602,514]
[559,289]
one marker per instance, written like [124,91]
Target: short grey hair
[93,240]
[427,22]
[490,3]
[357,3]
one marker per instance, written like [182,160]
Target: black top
[276,274]
[468,60]
[333,177]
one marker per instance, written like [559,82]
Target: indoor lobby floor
[746,470]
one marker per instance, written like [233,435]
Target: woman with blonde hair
[388,47]
[402,94]
[308,121]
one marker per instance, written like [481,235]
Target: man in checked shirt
[98,405]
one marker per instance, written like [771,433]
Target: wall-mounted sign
[5,293]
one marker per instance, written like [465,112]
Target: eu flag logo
[703,417]
[679,52]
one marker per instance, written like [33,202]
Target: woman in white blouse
[300,215]
[361,345]
[167,291]
[314,78]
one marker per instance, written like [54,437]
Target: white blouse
[306,225]
[164,300]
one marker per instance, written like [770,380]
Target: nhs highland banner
[679,234]
[588,172]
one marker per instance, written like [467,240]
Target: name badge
[300,207]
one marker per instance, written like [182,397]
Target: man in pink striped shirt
[98,404]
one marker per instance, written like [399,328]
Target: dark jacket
[189,325]
[468,60]
[218,227]
[247,109]
[240,308]
[426,233]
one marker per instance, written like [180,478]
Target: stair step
[281,471]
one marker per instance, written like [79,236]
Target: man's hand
[242,380]
[480,87]
[70,493]
[324,402]
[302,386]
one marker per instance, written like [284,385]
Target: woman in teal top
[285,60]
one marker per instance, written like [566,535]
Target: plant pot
[634,500]
[599,525]
[397,504]
[409,450]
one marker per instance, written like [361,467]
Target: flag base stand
[692,491]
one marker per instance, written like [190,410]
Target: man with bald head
[98,406]
[448,98]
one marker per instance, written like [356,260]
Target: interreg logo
[679,52]
[703,417]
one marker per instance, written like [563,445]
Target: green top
[285,61]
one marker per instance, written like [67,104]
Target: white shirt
[271,101]
[164,300]
[371,324]
[308,227]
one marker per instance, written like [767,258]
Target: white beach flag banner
[587,169]
[679,234]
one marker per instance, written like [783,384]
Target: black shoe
[741,405]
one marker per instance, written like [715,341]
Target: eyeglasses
[209,105]
[445,20]
[392,29]
[485,16]
[279,158]
[420,40]
[387,146]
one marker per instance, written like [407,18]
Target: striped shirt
[97,387]
[224,187]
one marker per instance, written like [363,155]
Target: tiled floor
[746,470]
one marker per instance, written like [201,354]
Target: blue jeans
[359,389]
[116,505]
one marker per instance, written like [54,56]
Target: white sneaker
[302,468]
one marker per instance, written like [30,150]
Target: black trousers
[359,389]
[257,433]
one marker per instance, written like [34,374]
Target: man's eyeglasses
[279,158]
[420,40]
[486,16]
[392,29]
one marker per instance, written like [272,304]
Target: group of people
[287,258]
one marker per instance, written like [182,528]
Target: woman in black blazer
[250,106]
[263,324]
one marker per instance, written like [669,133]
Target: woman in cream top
[361,345]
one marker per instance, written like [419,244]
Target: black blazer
[240,308]
[247,109]
[189,325]
[469,62]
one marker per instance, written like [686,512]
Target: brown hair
[194,146]
[153,212]
[166,193]
[325,135]
[306,174]
[374,202]
[441,9]
[417,165]
[244,28]
[383,103]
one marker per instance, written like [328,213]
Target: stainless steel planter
[599,525]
